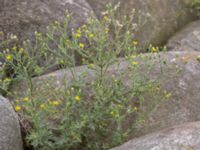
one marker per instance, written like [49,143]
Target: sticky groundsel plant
[83,114]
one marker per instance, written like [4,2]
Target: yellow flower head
[42,106]
[61,61]
[8,80]
[135,43]
[17,101]
[84,26]
[135,109]
[114,113]
[133,56]
[78,35]
[67,41]
[107,30]
[81,45]
[17,108]
[91,35]
[55,103]
[91,65]
[26,99]
[79,30]
[77,98]
[105,18]
[9,57]
[21,50]
[134,63]
[154,49]
[38,34]
[14,48]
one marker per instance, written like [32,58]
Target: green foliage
[84,114]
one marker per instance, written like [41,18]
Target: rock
[180,75]
[24,17]
[10,135]
[188,39]
[157,20]
[185,136]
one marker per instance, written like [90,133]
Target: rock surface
[188,39]
[24,17]
[180,75]
[10,136]
[157,20]
[185,136]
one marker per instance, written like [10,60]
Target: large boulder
[157,20]
[188,39]
[10,135]
[179,74]
[185,136]
[24,17]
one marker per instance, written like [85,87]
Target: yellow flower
[133,56]
[114,113]
[42,106]
[14,48]
[56,23]
[78,35]
[135,43]
[9,57]
[91,65]
[8,80]
[107,30]
[21,50]
[135,109]
[84,26]
[77,98]
[134,63]
[17,108]
[168,95]
[62,62]
[49,101]
[56,103]
[17,101]
[79,30]
[105,18]
[154,49]
[81,45]
[38,34]
[91,35]
[26,99]
[67,41]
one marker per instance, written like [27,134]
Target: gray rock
[24,17]
[185,136]
[157,20]
[180,75]
[10,135]
[188,39]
